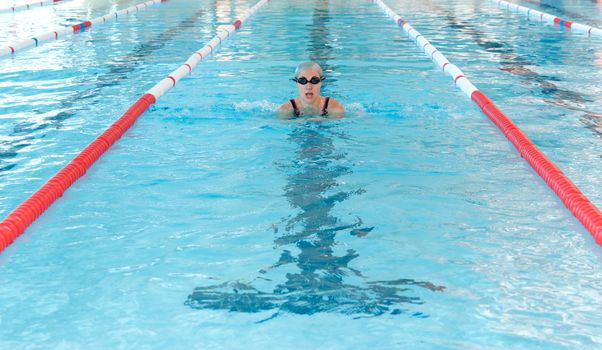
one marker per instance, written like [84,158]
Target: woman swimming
[308,77]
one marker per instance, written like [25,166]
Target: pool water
[212,224]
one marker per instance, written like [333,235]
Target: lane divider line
[27,212]
[548,18]
[572,197]
[30,5]
[73,29]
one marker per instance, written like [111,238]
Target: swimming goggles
[303,80]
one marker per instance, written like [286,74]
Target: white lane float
[38,40]
[572,197]
[31,5]
[548,18]
[27,212]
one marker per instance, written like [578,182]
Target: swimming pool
[211,224]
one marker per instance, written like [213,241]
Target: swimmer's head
[308,77]
[307,66]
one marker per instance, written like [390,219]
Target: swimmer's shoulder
[286,110]
[335,109]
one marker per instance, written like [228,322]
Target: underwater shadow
[318,283]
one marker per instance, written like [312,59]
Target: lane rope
[27,212]
[583,209]
[30,5]
[547,18]
[70,30]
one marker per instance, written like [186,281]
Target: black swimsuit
[324,109]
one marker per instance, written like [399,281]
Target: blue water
[411,223]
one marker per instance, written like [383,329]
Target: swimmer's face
[309,92]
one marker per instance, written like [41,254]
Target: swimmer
[308,77]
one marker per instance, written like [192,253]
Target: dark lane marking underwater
[118,71]
[514,63]
[320,46]
[319,285]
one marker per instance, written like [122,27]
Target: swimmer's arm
[335,109]
[285,111]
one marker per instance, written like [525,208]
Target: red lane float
[26,213]
[583,209]
[19,219]
[30,5]
[76,28]
[548,18]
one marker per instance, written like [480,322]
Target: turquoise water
[212,224]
